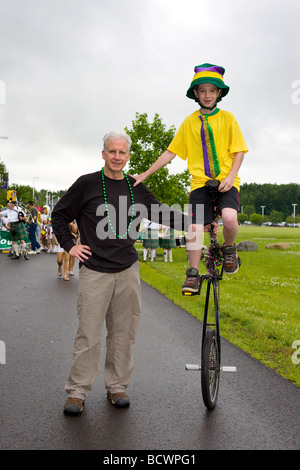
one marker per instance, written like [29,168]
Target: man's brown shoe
[73,406]
[231,260]
[192,283]
[119,400]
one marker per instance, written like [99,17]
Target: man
[211,141]
[32,228]
[17,230]
[105,206]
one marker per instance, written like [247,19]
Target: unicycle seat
[212,186]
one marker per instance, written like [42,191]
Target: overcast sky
[73,70]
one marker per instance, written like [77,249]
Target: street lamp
[294,212]
[34,178]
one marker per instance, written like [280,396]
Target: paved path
[257,409]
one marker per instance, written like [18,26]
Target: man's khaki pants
[116,298]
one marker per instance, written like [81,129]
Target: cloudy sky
[72,70]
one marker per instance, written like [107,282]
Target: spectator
[17,229]
[32,228]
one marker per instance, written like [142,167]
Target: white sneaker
[31,252]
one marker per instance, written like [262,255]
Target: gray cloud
[75,70]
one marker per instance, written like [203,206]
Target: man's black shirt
[84,202]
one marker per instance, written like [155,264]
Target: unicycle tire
[210,370]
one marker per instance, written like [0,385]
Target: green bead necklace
[106,205]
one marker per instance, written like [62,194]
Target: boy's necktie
[211,162]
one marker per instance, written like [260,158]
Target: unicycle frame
[214,285]
[211,343]
[216,276]
[211,339]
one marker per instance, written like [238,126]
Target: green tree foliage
[24,194]
[276,217]
[3,171]
[273,196]
[249,209]
[293,220]
[256,219]
[149,141]
[242,218]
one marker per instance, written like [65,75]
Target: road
[257,409]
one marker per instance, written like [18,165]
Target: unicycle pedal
[189,294]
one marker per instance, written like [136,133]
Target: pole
[35,177]
[294,213]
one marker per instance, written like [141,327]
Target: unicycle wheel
[210,370]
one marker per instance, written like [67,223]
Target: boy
[212,143]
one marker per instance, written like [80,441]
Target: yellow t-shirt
[228,140]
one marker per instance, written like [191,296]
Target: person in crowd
[65,261]
[150,239]
[44,235]
[59,256]
[16,220]
[43,217]
[69,260]
[32,228]
[168,243]
[108,210]
[49,236]
[4,224]
[44,214]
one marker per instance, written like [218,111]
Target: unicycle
[211,344]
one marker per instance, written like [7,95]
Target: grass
[260,305]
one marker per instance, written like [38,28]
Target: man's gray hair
[116,135]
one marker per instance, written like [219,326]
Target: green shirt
[33,213]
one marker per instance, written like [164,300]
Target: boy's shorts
[201,196]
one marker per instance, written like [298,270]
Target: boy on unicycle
[211,141]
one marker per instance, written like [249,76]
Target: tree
[293,220]
[242,218]
[249,209]
[256,219]
[276,217]
[3,175]
[275,197]
[149,141]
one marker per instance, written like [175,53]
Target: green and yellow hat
[208,73]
